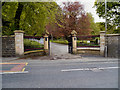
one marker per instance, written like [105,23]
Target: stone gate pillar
[19,42]
[102,43]
[46,42]
[74,42]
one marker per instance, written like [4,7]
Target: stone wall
[113,48]
[88,51]
[8,46]
[119,46]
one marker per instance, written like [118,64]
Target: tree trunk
[3,3]
[17,15]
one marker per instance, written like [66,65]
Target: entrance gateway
[75,43]
[95,43]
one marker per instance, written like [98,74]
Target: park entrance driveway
[60,51]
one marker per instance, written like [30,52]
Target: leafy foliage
[60,41]
[113,12]
[32,44]
[32,19]
[93,26]
[73,18]
[8,14]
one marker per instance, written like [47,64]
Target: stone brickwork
[74,42]
[19,42]
[8,46]
[113,48]
[0,47]
[102,43]
[119,47]
[46,43]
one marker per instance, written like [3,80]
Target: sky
[88,7]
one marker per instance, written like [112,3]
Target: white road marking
[13,72]
[88,69]
[67,64]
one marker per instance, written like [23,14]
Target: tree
[8,14]
[76,18]
[110,28]
[28,16]
[73,18]
[113,12]
[93,26]
[17,15]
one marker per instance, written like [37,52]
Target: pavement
[60,52]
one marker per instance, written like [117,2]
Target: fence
[33,43]
[104,44]
[19,45]
[92,44]
[88,44]
[88,41]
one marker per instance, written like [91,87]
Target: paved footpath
[60,52]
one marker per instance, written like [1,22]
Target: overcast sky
[88,7]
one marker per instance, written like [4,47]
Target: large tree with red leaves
[73,18]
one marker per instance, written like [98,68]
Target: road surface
[74,72]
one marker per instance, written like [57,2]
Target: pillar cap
[102,31]
[73,32]
[18,31]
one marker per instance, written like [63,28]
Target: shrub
[32,44]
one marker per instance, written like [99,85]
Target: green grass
[32,44]
[60,41]
[84,43]
[78,42]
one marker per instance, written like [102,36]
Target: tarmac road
[73,72]
[52,74]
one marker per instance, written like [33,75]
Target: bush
[32,44]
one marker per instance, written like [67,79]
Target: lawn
[79,42]
[30,44]
[60,41]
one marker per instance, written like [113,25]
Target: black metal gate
[49,43]
[70,46]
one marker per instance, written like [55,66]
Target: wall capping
[112,35]
[18,31]
[9,36]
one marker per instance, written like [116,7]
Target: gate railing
[33,43]
[88,41]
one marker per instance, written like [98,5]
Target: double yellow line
[24,68]
[12,64]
